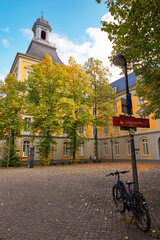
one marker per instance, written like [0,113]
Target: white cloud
[67,48]
[108,18]
[5,29]
[5,43]
[98,47]
[27,32]
[2,76]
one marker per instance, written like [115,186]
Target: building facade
[113,143]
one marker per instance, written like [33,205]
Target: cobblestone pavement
[72,202]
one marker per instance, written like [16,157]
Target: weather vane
[42,14]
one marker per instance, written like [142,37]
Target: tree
[45,102]
[135,34]
[103,98]
[79,116]
[11,107]
[146,91]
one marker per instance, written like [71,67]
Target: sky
[76,30]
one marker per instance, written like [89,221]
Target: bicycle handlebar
[117,173]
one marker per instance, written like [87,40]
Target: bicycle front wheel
[118,198]
[142,216]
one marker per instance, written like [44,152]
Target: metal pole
[134,164]
[126,78]
[133,156]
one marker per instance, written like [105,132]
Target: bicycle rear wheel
[142,216]
[118,198]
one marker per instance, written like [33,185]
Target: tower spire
[42,14]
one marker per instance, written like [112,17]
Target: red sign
[131,122]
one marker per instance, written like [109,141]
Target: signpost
[131,122]
[128,122]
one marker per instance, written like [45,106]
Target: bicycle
[132,201]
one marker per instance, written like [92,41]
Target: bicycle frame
[126,195]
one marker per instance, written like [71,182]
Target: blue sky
[75,30]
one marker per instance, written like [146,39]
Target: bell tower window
[43,35]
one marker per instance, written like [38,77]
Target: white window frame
[115,89]
[105,149]
[82,150]
[140,101]
[95,111]
[93,130]
[105,130]
[82,130]
[116,149]
[145,147]
[115,130]
[25,148]
[128,147]
[27,73]
[28,121]
[65,149]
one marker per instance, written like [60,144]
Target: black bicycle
[132,201]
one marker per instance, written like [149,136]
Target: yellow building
[147,141]
[115,146]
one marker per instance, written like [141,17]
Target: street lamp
[119,60]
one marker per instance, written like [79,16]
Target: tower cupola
[41,29]
[40,43]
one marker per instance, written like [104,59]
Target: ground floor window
[145,147]
[65,149]
[128,146]
[82,150]
[105,149]
[26,145]
[116,149]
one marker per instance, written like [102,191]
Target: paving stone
[72,202]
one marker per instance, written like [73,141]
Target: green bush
[45,161]
[14,159]
[75,161]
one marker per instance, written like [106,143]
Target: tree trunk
[96,144]
[47,150]
[74,144]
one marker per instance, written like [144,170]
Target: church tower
[41,29]
[40,43]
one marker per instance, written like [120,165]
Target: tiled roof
[42,22]
[38,49]
[120,83]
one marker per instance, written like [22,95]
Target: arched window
[128,146]
[65,149]
[105,149]
[43,35]
[116,149]
[82,150]
[25,148]
[145,147]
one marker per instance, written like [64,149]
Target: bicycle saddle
[129,183]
